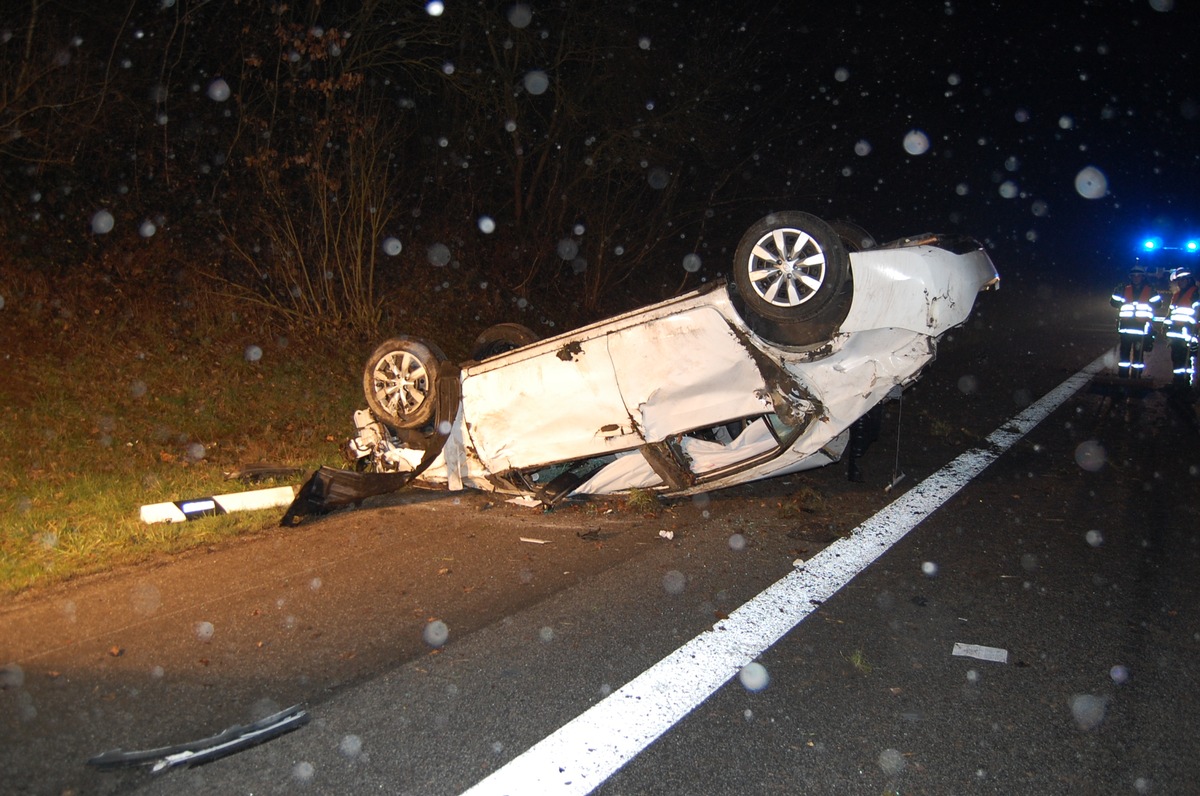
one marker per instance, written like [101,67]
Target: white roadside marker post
[184,510]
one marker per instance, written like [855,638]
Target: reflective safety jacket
[1137,306]
[1181,315]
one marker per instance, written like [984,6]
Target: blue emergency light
[1156,244]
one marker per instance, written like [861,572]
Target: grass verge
[112,401]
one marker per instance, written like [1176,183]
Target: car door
[553,401]
[685,371]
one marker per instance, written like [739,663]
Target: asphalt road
[1075,552]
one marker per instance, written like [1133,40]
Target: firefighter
[1137,302]
[1180,328]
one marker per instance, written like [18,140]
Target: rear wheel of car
[792,270]
[501,338]
[400,381]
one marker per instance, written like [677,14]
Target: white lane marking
[582,754]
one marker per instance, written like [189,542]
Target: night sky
[1014,100]
[1060,132]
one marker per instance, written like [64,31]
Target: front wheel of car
[792,269]
[400,381]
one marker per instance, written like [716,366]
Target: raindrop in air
[303,771]
[929,569]
[487,225]
[1094,538]
[11,676]
[147,229]
[674,582]
[204,631]
[691,263]
[1090,183]
[567,249]
[892,762]
[1088,710]
[520,15]
[435,8]
[1119,674]
[145,599]
[438,254]
[536,82]
[391,247]
[195,451]
[1090,455]
[435,633]
[737,542]
[658,178]
[916,142]
[862,148]
[218,90]
[253,353]
[754,676]
[102,222]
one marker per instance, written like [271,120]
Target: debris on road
[534,541]
[994,654]
[205,750]
[257,473]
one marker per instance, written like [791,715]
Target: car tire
[792,270]
[854,237]
[400,381]
[501,338]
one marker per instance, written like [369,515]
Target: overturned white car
[729,383]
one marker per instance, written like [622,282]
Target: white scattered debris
[798,563]
[994,654]
[668,535]
[534,541]
[526,501]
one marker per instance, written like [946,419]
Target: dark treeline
[330,161]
